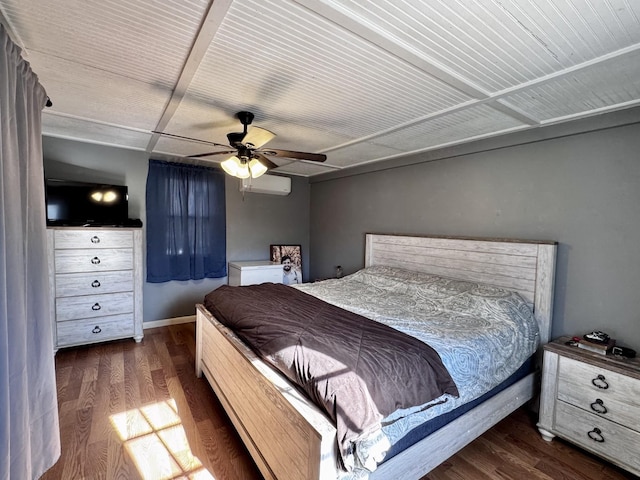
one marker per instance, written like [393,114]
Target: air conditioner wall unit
[269,184]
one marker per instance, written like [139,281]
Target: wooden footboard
[287,436]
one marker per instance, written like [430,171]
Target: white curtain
[29,433]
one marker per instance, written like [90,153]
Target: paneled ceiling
[360,81]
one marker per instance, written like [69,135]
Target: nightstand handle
[596,435]
[600,382]
[95,239]
[96,306]
[96,329]
[598,406]
[95,260]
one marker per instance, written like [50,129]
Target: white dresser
[96,284]
[253,272]
[593,401]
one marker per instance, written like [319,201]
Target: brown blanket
[357,370]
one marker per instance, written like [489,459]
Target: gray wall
[254,221]
[581,190]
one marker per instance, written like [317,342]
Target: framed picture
[290,256]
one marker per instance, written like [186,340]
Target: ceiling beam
[348,20]
[210,24]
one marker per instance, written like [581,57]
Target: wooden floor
[136,411]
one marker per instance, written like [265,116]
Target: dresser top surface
[626,366]
[248,264]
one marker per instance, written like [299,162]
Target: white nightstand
[592,400]
[255,271]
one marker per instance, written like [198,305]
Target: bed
[289,437]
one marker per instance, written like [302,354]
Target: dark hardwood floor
[136,411]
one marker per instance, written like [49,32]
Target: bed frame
[289,437]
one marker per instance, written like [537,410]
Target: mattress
[425,429]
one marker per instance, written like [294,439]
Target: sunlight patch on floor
[156,441]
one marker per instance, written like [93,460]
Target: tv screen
[77,203]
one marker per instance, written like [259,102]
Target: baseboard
[168,321]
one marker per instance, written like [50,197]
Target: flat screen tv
[72,203]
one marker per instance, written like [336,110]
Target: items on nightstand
[623,352]
[597,337]
[602,347]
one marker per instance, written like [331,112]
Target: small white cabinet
[593,401]
[96,284]
[254,272]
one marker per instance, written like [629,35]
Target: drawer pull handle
[96,306]
[95,260]
[598,406]
[96,329]
[95,239]
[600,382]
[596,435]
[95,284]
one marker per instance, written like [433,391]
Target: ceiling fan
[250,160]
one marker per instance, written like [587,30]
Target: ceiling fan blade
[265,161]
[257,137]
[314,157]
[190,139]
[209,154]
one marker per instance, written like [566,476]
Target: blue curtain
[186,223]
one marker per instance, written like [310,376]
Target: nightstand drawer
[92,238]
[72,261]
[91,330]
[74,284]
[600,391]
[607,439]
[91,306]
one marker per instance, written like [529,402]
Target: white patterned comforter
[483,334]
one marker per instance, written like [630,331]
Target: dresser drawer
[74,284]
[600,391]
[93,238]
[91,306]
[76,261]
[617,442]
[92,330]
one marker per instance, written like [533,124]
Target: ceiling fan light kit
[242,168]
[250,160]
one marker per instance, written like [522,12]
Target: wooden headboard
[525,266]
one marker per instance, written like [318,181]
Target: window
[186,224]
